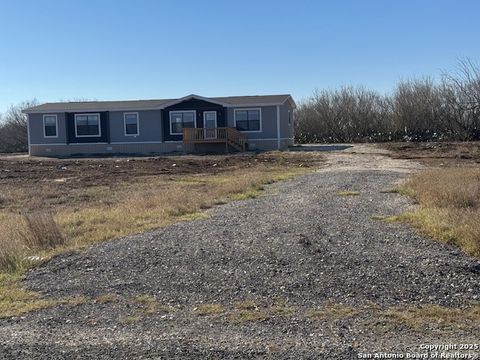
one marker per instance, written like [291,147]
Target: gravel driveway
[299,272]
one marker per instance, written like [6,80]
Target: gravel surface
[299,245]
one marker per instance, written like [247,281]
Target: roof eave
[36,110]
[291,101]
[193,96]
[45,111]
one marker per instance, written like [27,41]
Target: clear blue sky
[64,50]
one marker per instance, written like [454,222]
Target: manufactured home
[189,124]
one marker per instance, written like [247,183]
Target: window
[131,124]
[180,120]
[87,125]
[248,120]
[50,126]
[289,117]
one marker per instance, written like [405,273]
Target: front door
[210,124]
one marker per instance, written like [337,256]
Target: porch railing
[227,135]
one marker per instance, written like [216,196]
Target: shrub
[43,232]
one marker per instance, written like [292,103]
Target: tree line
[416,110]
[13,128]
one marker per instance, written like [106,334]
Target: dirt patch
[367,157]
[30,184]
[449,154]
[105,171]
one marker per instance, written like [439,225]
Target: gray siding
[267,145]
[97,149]
[149,124]
[269,122]
[35,125]
[135,149]
[286,131]
[267,139]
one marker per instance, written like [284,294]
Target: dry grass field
[447,192]
[251,277]
[48,206]
[449,206]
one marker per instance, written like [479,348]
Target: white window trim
[125,124]
[56,126]
[183,111]
[99,125]
[210,112]
[243,109]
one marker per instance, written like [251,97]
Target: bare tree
[347,114]
[13,128]
[417,110]
[464,101]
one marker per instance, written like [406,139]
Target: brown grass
[243,316]
[209,309]
[160,202]
[15,301]
[250,311]
[10,244]
[106,299]
[246,305]
[101,213]
[332,311]
[449,208]
[281,309]
[348,193]
[26,234]
[434,316]
[452,188]
[58,220]
[43,232]
[147,302]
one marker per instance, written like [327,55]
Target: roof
[127,105]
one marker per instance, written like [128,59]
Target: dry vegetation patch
[209,309]
[250,311]
[449,208]
[434,317]
[15,301]
[332,311]
[243,316]
[148,303]
[348,193]
[106,299]
[101,199]
[246,305]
